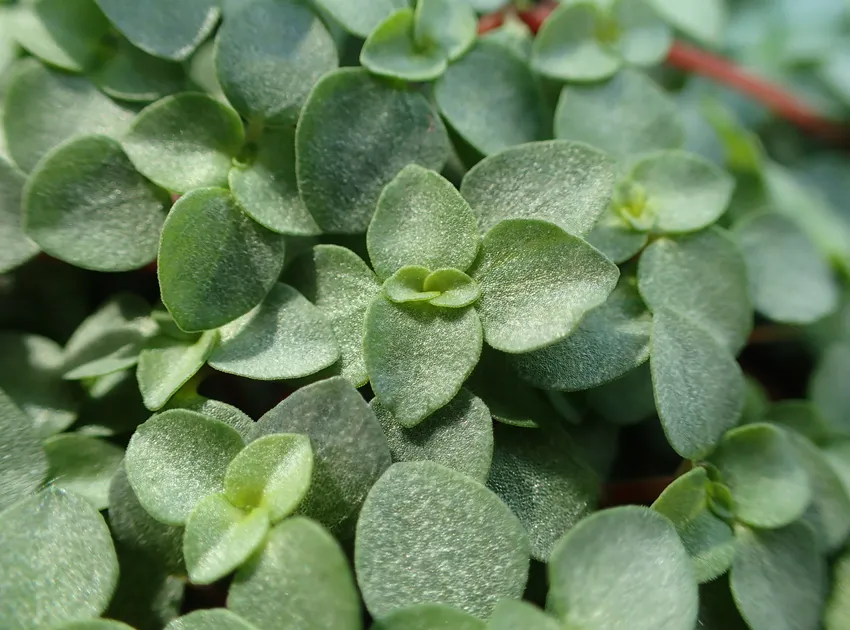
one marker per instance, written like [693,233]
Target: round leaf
[702,277]
[95,624]
[85,204]
[708,540]
[624,116]
[133,75]
[267,189]
[338,281]
[789,279]
[777,578]
[418,355]
[566,183]
[177,458]
[704,20]
[57,562]
[421,219]
[540,476]
[349,449]
[421,538]
[83,465]
[185,142]
[268,56]
[537,283]
[218,410]
[408,285]
[768,483]
[567,48]
[643,39]
[163,28]
[616,238]
[391,51]
[428,617]
[272,473]
[623,567]
[698,385]
[16,248]
[313,585]
[23,465]
[215,263]
[458,436]
[626,401]
[168,365]
[354,136]
[44,108]
[684,192]
[491,99]
[284,337]
[827,387]
[456,289]
[611,340]
[510,614]
[219,538]
[360,17]
[451,26]
[212,619]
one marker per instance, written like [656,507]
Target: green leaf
[313,585]
[451,26]
[837,613]
[83,465]
[110,339]
[218,410]
[511,614]
[456,289]
[769,484]
[169,364]
[567,47]
[537,283]
[30,374]
[269,55]
[16,248]
[829,511]
[131,74]
[627,401]
[539,474]
[354,136]
[349,448]
[492,100]
[272,473]
[684,192]
[702,277]
[513,34]
[610,341]
[215,263]
[44,108]
[136,531]
[177,458]
[778,578]
[85,204]
[615,237]
[698,385]
[422,538]
[408,285]
[266,188]
[800,416]
[185,142]
[361,17]
[392,51]
[219,538]
[458,436]
[708,540]
[95,624]
[283,337]
[566,183]
[418,355]
[67,34]
[211,619]
[624,116]
[428,617]
[642,38]
[422,220]
[23,464]
[623,567]
[163,28]
[789,279]
[338,281]
[704,20]
[57,562]
[827,387]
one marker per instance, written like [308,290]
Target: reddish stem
[637,492]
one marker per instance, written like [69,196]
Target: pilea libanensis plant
[406,315]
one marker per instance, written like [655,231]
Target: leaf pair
[187,468]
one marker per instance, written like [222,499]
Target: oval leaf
[391,51]
[428,617]
[23,464]
[360,17]
[83,465]
[169,364]
[16,248]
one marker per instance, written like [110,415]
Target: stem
[638,492]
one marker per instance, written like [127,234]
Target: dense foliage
[374,313]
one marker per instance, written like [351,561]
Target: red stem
[691,59]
